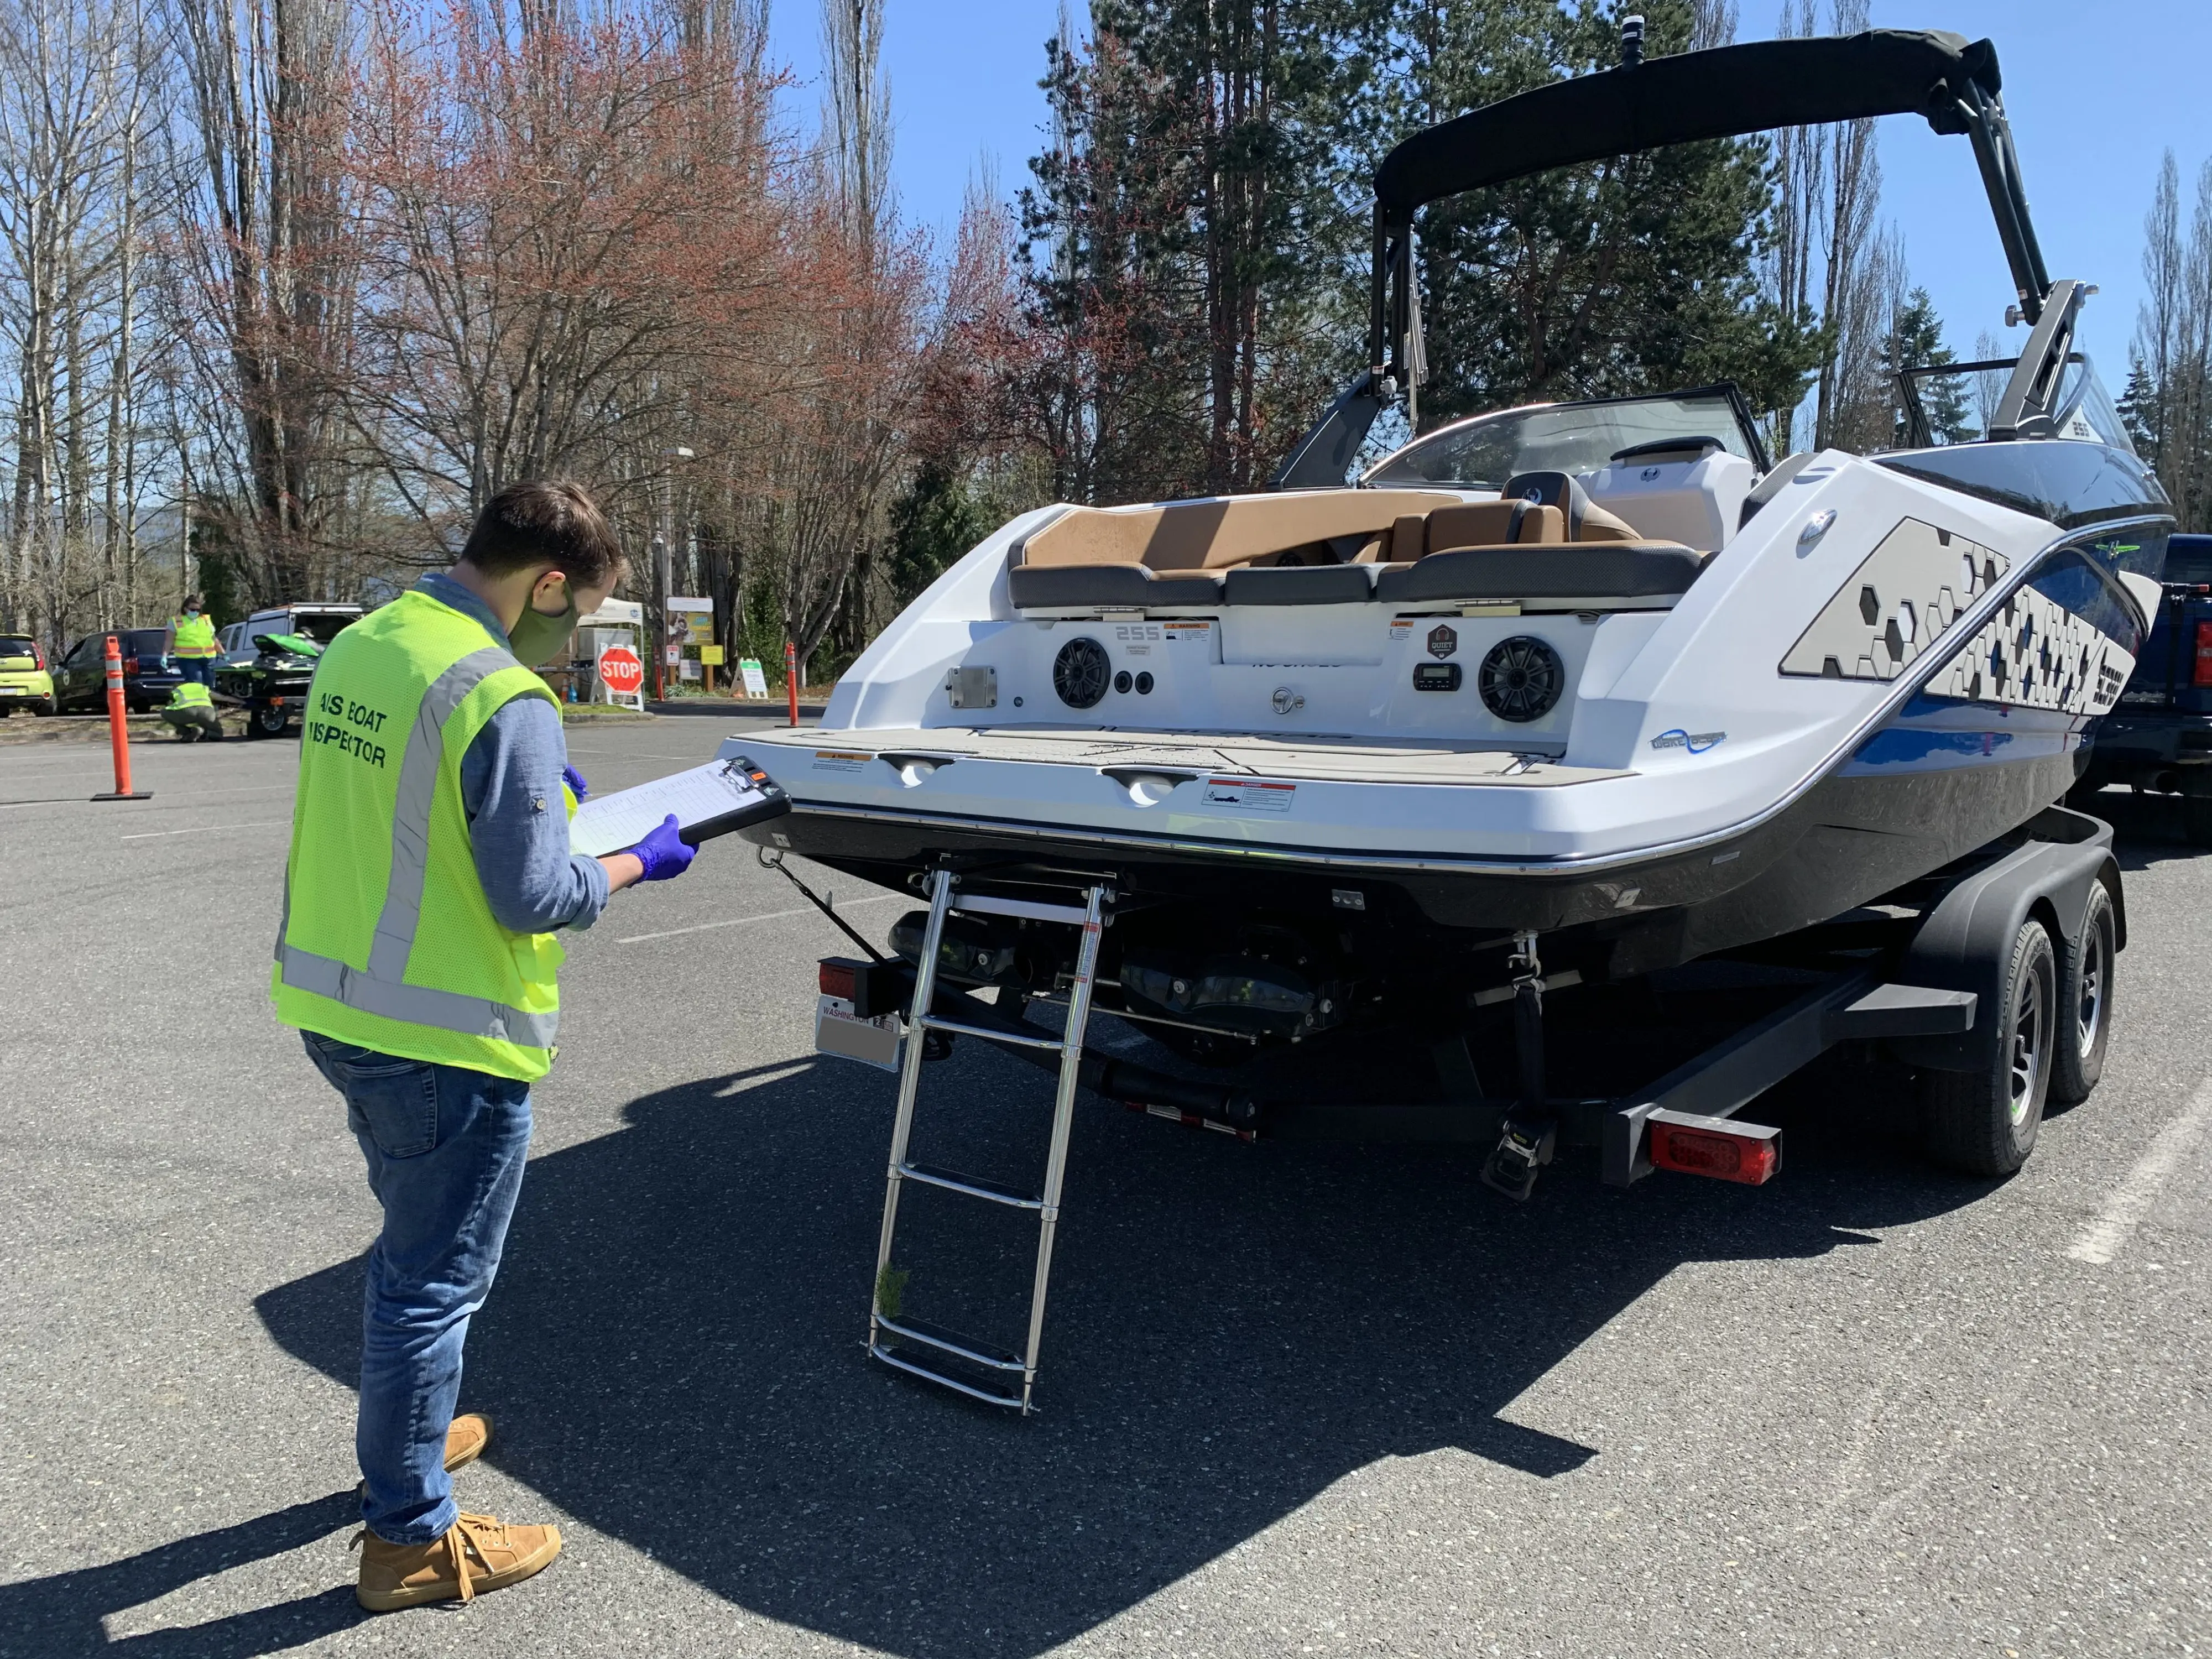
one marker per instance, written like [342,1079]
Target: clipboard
[708,800]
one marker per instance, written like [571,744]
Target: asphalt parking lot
[1298,1398]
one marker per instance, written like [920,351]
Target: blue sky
[2095,91]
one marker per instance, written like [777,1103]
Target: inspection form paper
[708,800]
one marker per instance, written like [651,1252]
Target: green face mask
[536,636]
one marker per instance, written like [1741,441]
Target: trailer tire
[2085,1001]
[1984,1122]
[268,722]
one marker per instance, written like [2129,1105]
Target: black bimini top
[1724,93]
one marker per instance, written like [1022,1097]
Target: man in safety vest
[191,642]
[430,868]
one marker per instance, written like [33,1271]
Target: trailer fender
[1964,942]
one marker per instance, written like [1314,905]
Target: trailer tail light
[1715,1146]
[873,988]
[2203,671]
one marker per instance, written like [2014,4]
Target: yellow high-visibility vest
[388,941]
[195,636]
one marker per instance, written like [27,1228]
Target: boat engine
[1274,988]
[974,950]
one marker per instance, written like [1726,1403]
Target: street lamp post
[660,576]
[660,613]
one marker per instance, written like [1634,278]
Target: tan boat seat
[1320,547]
[1173,554]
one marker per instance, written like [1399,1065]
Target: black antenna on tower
[1631,40]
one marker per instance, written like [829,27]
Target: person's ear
[545,588]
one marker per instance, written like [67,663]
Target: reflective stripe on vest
[410,813]
[376,1005]
[417,1004]
[195,636]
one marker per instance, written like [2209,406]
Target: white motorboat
[1602,672]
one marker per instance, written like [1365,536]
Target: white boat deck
[1230,753]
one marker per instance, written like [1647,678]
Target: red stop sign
[620,669]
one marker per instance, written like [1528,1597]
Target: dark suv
[2160,737]
[148,677]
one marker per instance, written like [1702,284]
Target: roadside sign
[711,654]
[620,671]
[756,679]
[691,621]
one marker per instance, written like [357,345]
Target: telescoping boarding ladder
[999,1368]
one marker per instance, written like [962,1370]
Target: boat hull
[1862,832]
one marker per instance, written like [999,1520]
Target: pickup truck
[2159,736]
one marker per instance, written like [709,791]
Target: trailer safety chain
[772,859]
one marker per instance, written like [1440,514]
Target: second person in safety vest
[429,873]
[193,642]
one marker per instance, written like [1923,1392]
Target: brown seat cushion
[1492,524]
[1221,531]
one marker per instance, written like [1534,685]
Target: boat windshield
[1485,452]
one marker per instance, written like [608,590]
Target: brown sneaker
[469,1433]
[479,1552]
[465,1439]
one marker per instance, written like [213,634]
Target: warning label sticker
[837,760]
[1249,795]
[1401,628]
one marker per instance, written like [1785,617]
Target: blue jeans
[445,1147]
[201,669]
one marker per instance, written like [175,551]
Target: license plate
[838,1031]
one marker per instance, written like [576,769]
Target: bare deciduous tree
[265,278]
[80,85]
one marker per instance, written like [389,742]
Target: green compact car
[24,681]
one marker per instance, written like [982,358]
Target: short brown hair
[538,519]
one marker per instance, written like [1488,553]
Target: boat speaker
[1521,679]
[1082,671]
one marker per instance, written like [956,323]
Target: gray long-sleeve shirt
[511,790]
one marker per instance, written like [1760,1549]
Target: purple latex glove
[663,852]
[575,780]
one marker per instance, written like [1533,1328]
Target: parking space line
[2130,1201]
[207,829]
[739,921]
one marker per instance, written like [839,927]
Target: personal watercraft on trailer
[1760,756]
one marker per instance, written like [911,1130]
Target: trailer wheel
[268,722]
[1984,1122]
[2085,1003]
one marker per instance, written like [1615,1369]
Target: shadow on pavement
[2146,829]
[674,1346]
[62,1615]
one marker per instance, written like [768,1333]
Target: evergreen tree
[1189,240]
[1197,241]
[935,520]
[2140,407]
[1916,341]
[1633,274]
